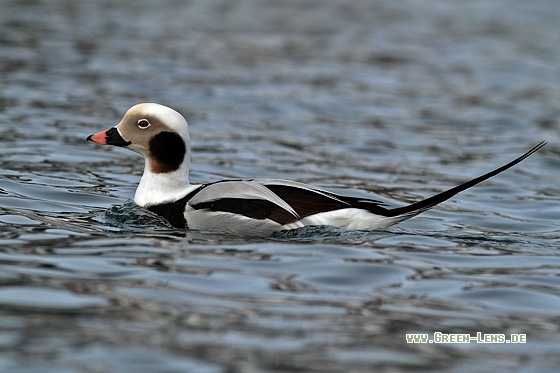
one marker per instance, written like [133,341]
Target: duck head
[160,134]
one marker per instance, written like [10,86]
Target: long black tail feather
[428,203]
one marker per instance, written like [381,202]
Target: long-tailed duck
[256,207]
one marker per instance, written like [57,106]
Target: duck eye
[143,124]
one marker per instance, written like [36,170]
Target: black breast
[174,212]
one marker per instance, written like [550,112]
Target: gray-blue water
[390,100]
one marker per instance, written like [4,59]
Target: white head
[161,135]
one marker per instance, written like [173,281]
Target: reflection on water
[373,99]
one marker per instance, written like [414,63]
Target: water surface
[389,100]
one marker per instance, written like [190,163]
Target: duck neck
[156,188]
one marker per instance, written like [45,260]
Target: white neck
[163,187]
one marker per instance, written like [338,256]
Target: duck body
[254,207]
[260,207]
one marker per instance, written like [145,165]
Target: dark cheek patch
[167,150]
